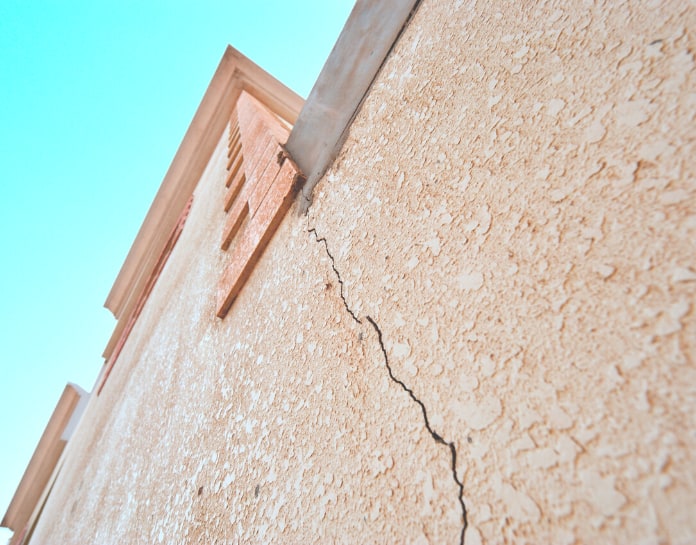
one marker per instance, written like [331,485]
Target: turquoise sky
[95,98]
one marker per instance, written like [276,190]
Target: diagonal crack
[338,275]
[436,436]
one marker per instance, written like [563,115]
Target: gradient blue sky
[95,98]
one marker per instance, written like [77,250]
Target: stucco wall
[277,423]
[516,208]
[514,211]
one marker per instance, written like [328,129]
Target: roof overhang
[234,74]
[320,126]
[45,457]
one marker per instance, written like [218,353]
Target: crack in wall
[338,275]
[436,436]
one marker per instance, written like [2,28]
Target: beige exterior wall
[515,212]
[516,208]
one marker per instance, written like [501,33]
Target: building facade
[450,301]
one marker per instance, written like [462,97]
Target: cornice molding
[235,73]
[43,460]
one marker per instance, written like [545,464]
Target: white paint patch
[470,281]
[604,496]
[555,106]
[683,274]
[479,415]
[401,350]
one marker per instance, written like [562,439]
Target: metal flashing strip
[320,130]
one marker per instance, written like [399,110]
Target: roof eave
[234,74]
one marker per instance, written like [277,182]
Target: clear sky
[95,97]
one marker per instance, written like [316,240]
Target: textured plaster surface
[277,424]
[516,207]
[515,212]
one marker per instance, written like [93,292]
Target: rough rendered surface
[516,208]
[515,211]
[277,424]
